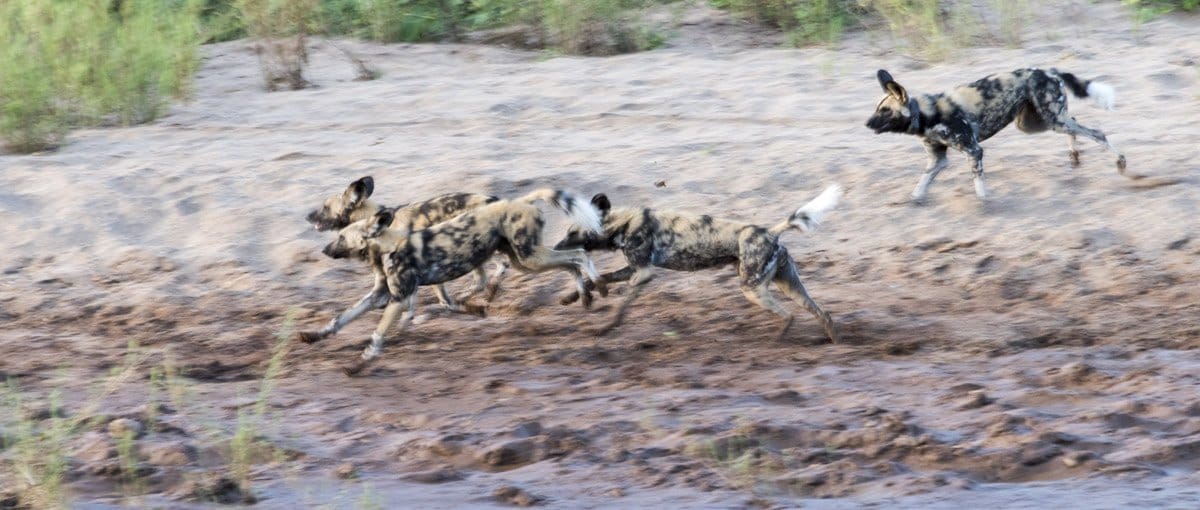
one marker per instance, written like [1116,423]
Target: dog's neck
[914,116]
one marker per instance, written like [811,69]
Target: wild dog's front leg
[976,153]
[493,287]
[375,348]
[455,306]
[402,290]
[937,162]
[377,298]
[641,276]
[619,275]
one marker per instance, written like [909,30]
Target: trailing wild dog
[685,242]
[408,259]
[354,204]
[966,115]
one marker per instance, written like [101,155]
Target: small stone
[123,427]
[1076,372]
[1038,453]
[447,446]
[974,400]
[213,488]
[615,492]
[98,448]
[528,429]
[345,471]
[44,412]
[442,475]
[512,453]
[791,397]
[175,453]
[516,496]
[1074,459]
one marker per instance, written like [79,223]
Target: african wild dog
[408,259]
[964,116]
[354,204]
[683,242]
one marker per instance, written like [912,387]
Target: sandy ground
[1037,348]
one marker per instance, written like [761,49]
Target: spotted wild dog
[685,242]
[442,252]
[966,115]
[354,204]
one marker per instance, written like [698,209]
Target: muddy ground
[1038,347]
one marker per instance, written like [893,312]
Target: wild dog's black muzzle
[333,252]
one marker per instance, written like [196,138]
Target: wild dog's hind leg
[937,162]
[1072,151]
[1072,128]
[377,298]
[575,262]
[1054,112]
[788,281]
[761,296]
[641,276]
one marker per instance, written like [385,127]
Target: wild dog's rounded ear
[600,200]
[884,78]
[360,190]
[890,86]
[383,219]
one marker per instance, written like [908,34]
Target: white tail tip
[814,211]
[1102,94]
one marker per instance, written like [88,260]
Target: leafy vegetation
[807,21]
[89,62]
[1145,10]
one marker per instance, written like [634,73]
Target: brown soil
[1035,348]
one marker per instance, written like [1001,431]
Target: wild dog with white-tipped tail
[408,259]
[685,242]
[964,116]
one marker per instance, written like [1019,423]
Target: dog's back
[681,241]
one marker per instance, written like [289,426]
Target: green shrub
[1145,10]
[807,21]
[594,27]
[72,63]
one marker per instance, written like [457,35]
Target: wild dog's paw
[980,188]
[1121,164]
[586,299]
[476,310]
[1074,154]
[569,298]
[355,368]
[605,330]
[601,287]
[309,337]
[489,292]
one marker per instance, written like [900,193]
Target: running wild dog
[408,259]
[683,242]
[966,115]
[354,204]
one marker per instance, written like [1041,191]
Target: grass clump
[806,21]
[590,27]
[89,62]
[280,30]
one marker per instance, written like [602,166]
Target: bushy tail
[1100,93]
[581,212]
[809,216]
